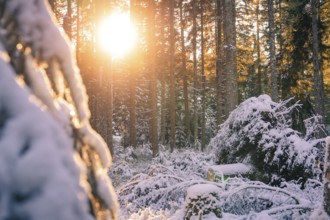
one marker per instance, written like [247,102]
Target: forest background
[195,61]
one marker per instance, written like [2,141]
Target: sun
[117,35]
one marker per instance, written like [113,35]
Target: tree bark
[230,55]
[272,51]
[67,23]
[184,72]
[108,107]
[220,74]
[153,128]
[132,87]
[194,47]
[258,50]
[172,76]
[203,120]
[318,85]
[163,79]
[78,33]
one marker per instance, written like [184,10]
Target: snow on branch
[43,64]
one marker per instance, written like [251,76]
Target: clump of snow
[201,190]
[258,132]
[231,169]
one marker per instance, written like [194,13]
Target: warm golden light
[117,35]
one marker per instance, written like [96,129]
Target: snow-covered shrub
[157,192]
[187,163]
[258,132]
[201,200]
[52,163]
[256,197]
[314,127]
[256,200]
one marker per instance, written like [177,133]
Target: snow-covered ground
[175,186]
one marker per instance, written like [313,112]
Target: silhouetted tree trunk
[163,77]
[230,55]
[258,50]
[195,94]
[318,81]
[172,76]
[220,74]
[67,22]
[153,81]
[78,33]
[184,72]
[132,88]
[203,137]
[108,107]
[272,51]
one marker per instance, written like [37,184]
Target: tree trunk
[108,107]
[194,47]
[203,138]
[184,72]
[67,22]
[172,76]
[272,51]
[230,55]
[78,33]
[153,128]
[132,91]
[163,80]
[220,74]
[318,85]
[259,91]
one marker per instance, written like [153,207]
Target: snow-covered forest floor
[267,170]
[175,186]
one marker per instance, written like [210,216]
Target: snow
[161,188]
[258,132]
[231,169]
[201,190]
[36,28]
[319,214]
[327,141]
[41,171]
[29,151]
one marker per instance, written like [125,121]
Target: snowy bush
[258,132]
[201,200]
[52,163]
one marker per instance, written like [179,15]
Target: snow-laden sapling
[258,132]
[52,163]
[202,200]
